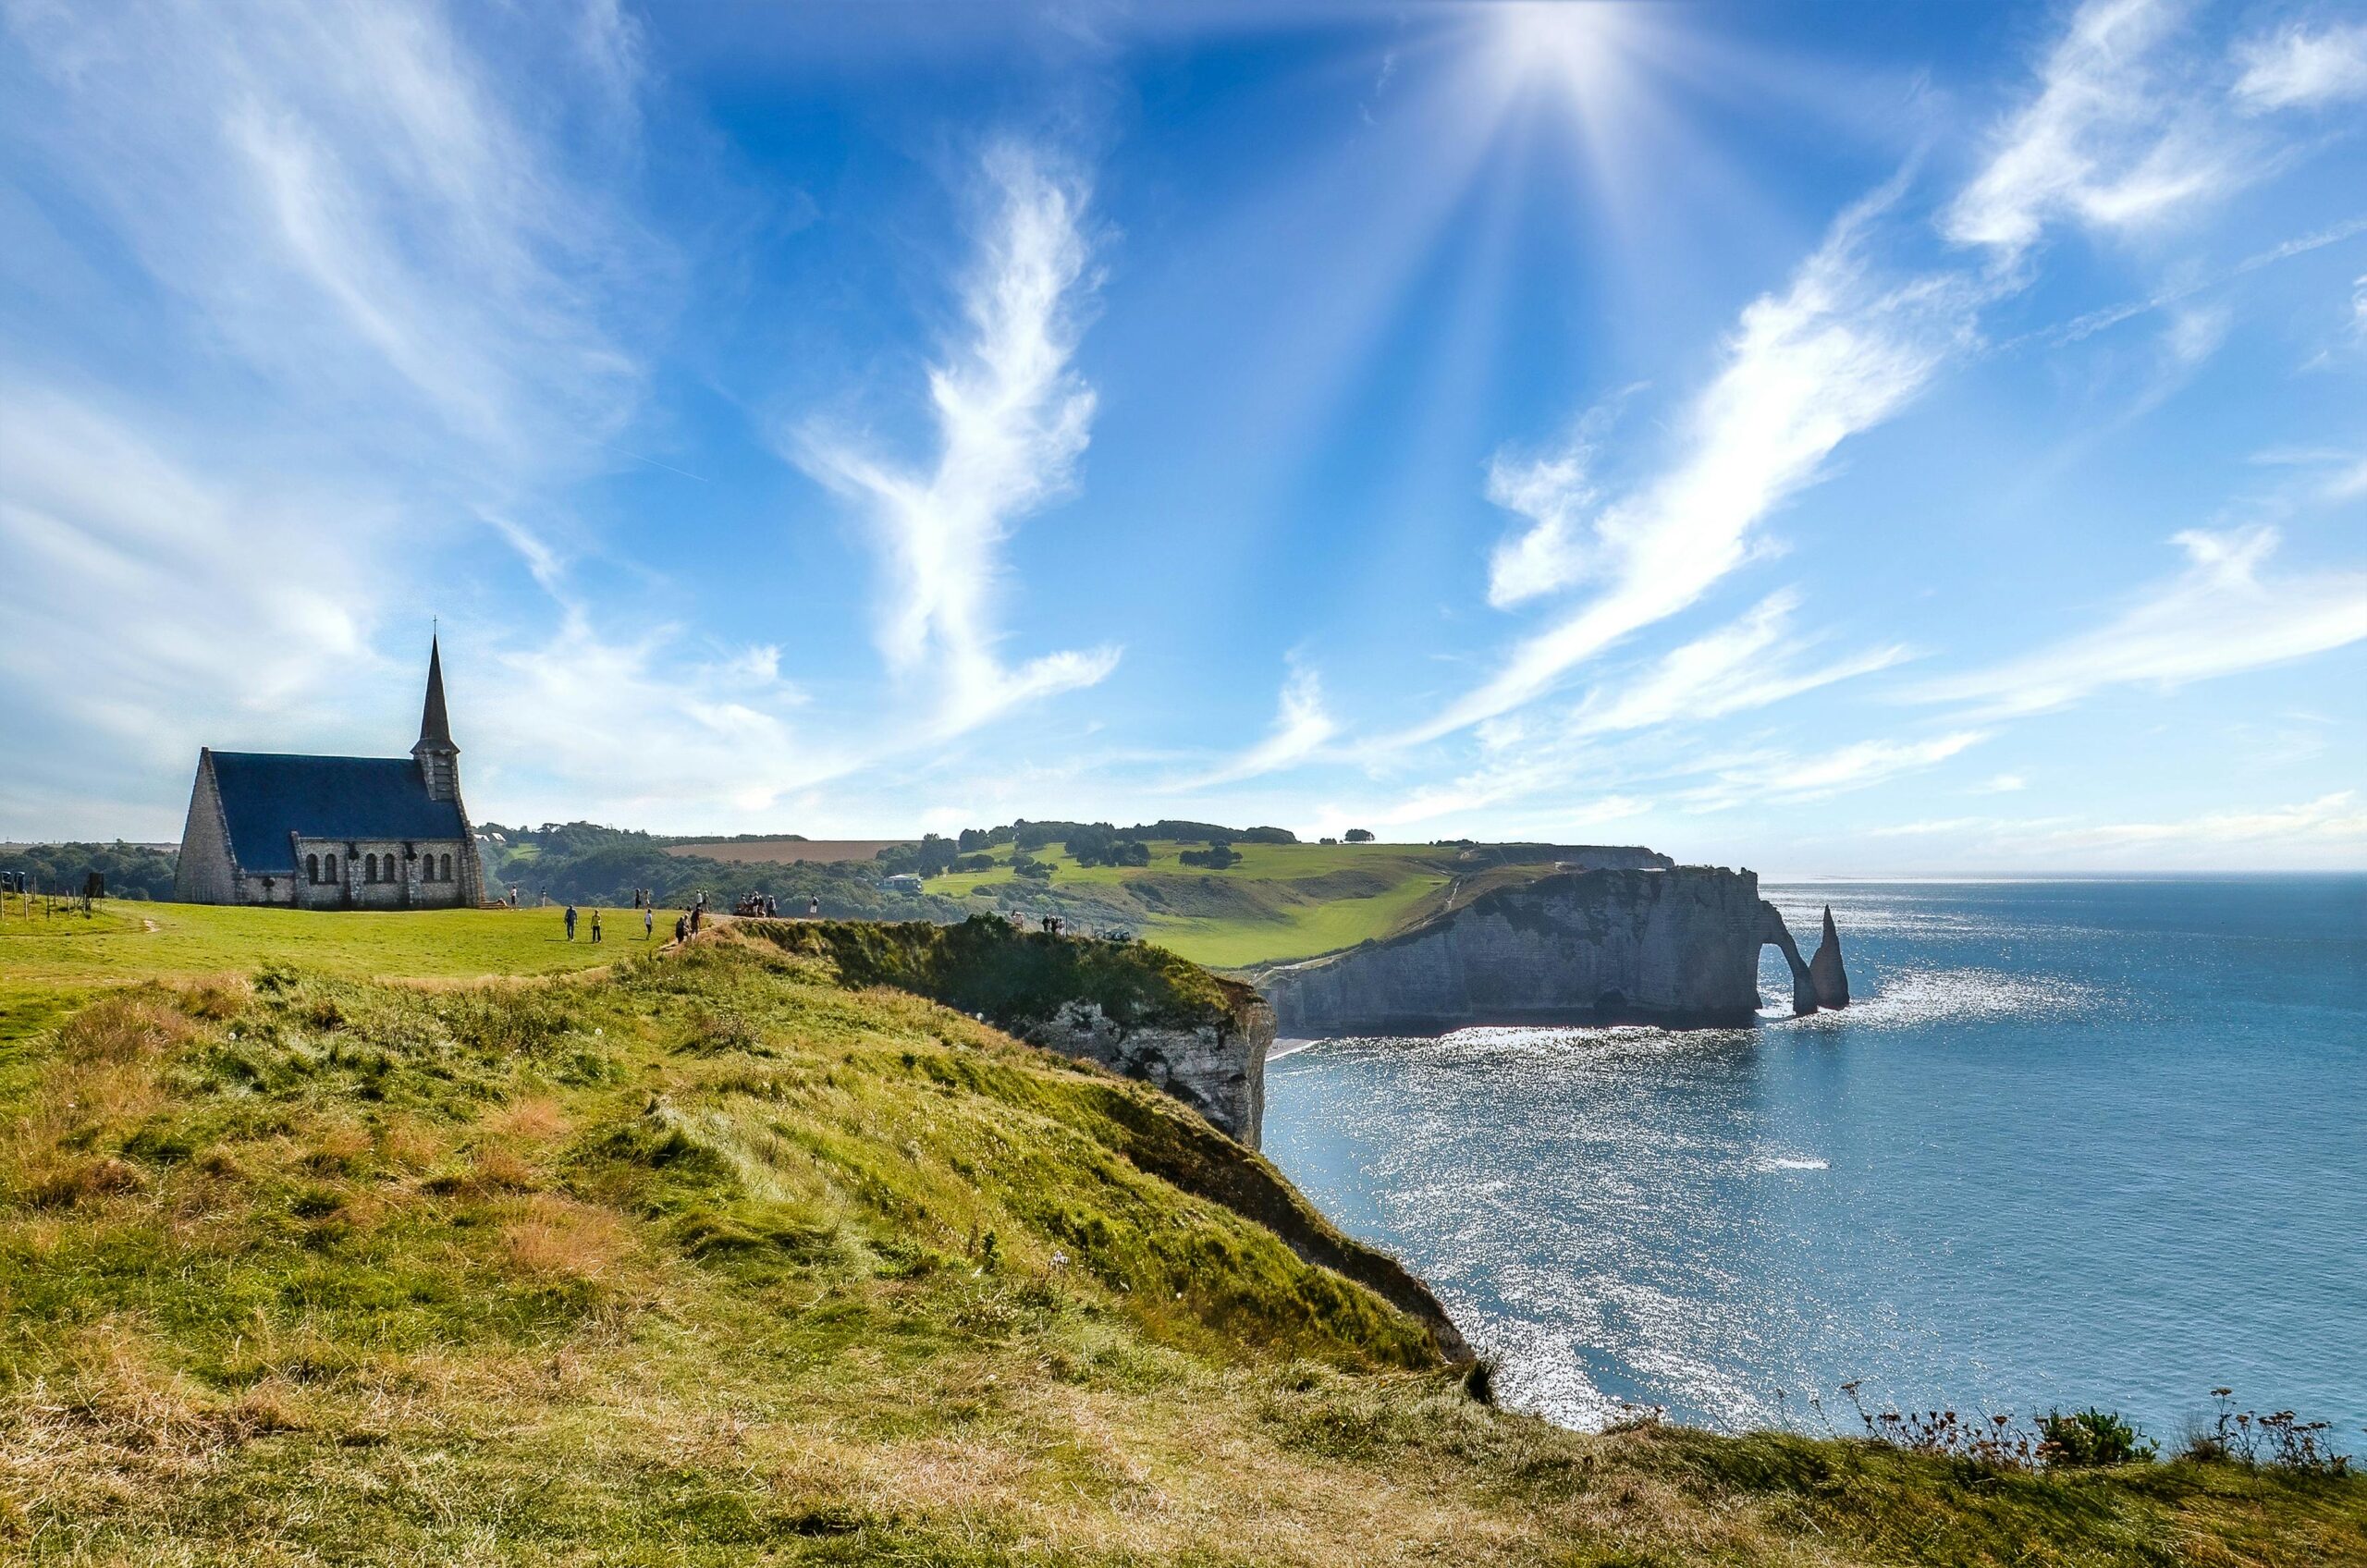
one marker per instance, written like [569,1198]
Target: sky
[1838,439]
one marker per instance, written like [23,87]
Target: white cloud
[2335,820]
[347,200]
[2195,334]
[140,584]
[1302,727]
[2295,67]
[1012,418]
[1748,664]
[706,730]
[2112,139]
[357,286]
[2003,784]
[1788,777]
[1838,353]
[2222,615]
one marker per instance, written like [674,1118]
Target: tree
[1360,835]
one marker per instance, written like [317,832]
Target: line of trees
[132,871]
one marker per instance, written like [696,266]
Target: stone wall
[410,888]
[1678,946]
[203,874]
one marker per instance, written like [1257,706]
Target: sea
[2075,1143]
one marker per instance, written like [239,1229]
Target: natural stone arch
[1772,930]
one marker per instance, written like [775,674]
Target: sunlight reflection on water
[1726,1221]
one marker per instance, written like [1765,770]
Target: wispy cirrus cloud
[1303,726]
[2223,614]
[1012,416]
[2294,832]
[1789,776]
[2298,66]
[2113,138]
[1750,663]
[1838,351]
[330,284]
[358,205]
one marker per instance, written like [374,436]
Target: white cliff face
[1218,1070]
[1679,945]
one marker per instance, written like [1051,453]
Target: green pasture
[1280,902]
[50,962]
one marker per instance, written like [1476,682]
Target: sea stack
[1825,972]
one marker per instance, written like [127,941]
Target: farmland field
[786,851]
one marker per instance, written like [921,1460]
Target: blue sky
[1833,438]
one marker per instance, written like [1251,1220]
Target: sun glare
[1577,46]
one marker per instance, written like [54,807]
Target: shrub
[2084,1439]
[1360,835]
[1217,857]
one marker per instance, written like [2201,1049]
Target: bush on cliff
[1016,978]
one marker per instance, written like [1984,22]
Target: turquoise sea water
[2078,1141]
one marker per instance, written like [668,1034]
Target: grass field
[47,965]
[706,1259]
[1280,902]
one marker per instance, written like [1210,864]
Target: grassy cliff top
[1014,977]
[712,1259]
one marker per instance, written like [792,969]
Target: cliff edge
[1676,946]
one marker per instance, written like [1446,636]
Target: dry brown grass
[557,1238]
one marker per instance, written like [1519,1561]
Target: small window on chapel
[447,868]
[311,868]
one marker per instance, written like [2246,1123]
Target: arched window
[447,868]
[313,868]
[328,866]
[369,869]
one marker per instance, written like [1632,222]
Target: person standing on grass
[570,922]
[648,919]
[595,925]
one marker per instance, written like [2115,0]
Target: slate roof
[266,796]
[433,725]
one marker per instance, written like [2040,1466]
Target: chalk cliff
[1678,946]
[1216,1068]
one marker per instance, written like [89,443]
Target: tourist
[648,920]
[814,909]
[595,925]
[681,929]
[570,922]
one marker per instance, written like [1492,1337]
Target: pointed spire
[434,728]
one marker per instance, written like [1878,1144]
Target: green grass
[47,965]
[715,1259]
[1281,901]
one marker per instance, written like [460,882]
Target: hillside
[1279,902]
[707,1259]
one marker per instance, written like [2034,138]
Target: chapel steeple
[439,759]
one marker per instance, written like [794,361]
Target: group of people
[648,923]
[686,925]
